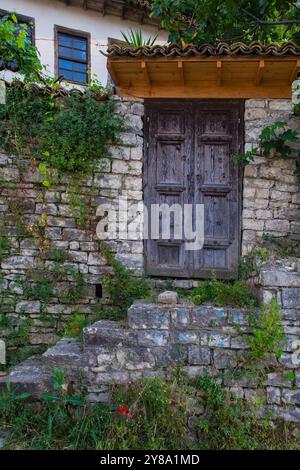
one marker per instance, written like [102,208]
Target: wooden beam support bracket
[259,73]
[295,71]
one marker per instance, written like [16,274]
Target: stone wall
[21,209]
[271,197]
[201,340]
[270,205]
[159,338]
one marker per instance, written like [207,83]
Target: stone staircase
[157,339]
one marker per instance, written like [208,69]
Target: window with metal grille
[72,57]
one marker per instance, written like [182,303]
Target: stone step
[34,375]
[105,333]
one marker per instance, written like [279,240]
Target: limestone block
[199,355]
[186,337]
[168,297]
[144,316]
[153,338]
[224,359]
[291,297]
[291,397]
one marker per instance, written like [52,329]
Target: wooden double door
[188,161]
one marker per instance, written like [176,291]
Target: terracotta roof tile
[237,49]
[59,92]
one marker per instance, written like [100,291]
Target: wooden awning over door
[214,72]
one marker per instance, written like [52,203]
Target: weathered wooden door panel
[167,171]
[188,161]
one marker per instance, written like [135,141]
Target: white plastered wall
[48,13]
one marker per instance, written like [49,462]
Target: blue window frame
[72,57]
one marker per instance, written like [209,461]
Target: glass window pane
[77,67]
[80,77]
[79,44]
[72,61]
[72,53]
[65,64]
[67,74]
[64,40]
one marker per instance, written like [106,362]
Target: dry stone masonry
[159,336]
[204,340]
[20,187]
[271,197]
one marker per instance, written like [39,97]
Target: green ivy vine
[67,134]
[274,142]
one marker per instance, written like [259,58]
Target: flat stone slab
[168,297]
[279,277]
[34,375]
[106,333]
[66,347]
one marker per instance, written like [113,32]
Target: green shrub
[4,247]
[223,293]
[231,423]
[75,325]
[15,47]
[282,247]
[152,415]
[68,134]
[267,332]
[123,286]
[148,415]
[248,264]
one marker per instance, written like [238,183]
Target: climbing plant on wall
[58,136]
[68,133]
[16,49]
[275,142]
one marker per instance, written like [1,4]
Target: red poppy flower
[123,410]
[76,330]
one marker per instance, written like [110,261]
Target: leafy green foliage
[136,39]
[274,140]
[40,284]
[223,293]
[248,266]
[281,247]
[16,48]
[61,398]
[244,159]
[189,21]
[5,245]
[231,423]
[267,332]
[68,134]
[75,325]
[9,403]
[123,286]
[152,416]
[148,415]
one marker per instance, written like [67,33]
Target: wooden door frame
[240,172]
